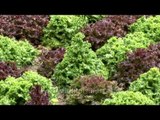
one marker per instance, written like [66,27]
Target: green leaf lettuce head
[61,29]
[148,84]
[15,91]
[128,98]
[21,52]
[149,25]
[78,60]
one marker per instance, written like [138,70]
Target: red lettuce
[137,63]
[113,25]
[38,97]
[50,60]
[23,26]
[9,69]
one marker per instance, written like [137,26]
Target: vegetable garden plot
[79,59]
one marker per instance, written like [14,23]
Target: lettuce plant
[149,25]
[148,84]
[78,60]
[9,69]
[20,52]
[90,90]
[16,90]
[137,63]
[49,61]
[128,98]
[99,32]
[23,26]
[38,97]
[61,29]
